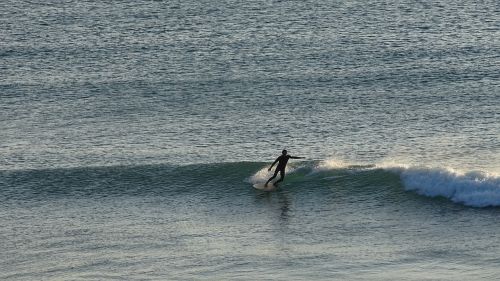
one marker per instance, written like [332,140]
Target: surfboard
[260,186]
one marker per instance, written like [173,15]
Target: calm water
[132,133]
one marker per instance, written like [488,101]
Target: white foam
[260,176]
[329,164]
[476,188]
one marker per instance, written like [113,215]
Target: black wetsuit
[282,160]
[280,168]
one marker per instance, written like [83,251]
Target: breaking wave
[470,188]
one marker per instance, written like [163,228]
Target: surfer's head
[284,152]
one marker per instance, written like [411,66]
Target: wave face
[476,189]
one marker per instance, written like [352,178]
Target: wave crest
[475,188]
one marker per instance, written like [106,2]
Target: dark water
[131,134]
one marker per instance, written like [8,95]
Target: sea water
[132,133]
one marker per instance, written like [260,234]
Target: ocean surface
[132,133]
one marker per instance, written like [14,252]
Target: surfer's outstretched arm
[297,157]
[275,161]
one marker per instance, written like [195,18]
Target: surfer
[281,160]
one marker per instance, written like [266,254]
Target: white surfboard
[261,186]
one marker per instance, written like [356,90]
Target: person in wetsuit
[281,160]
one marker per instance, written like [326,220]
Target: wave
[472,188]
